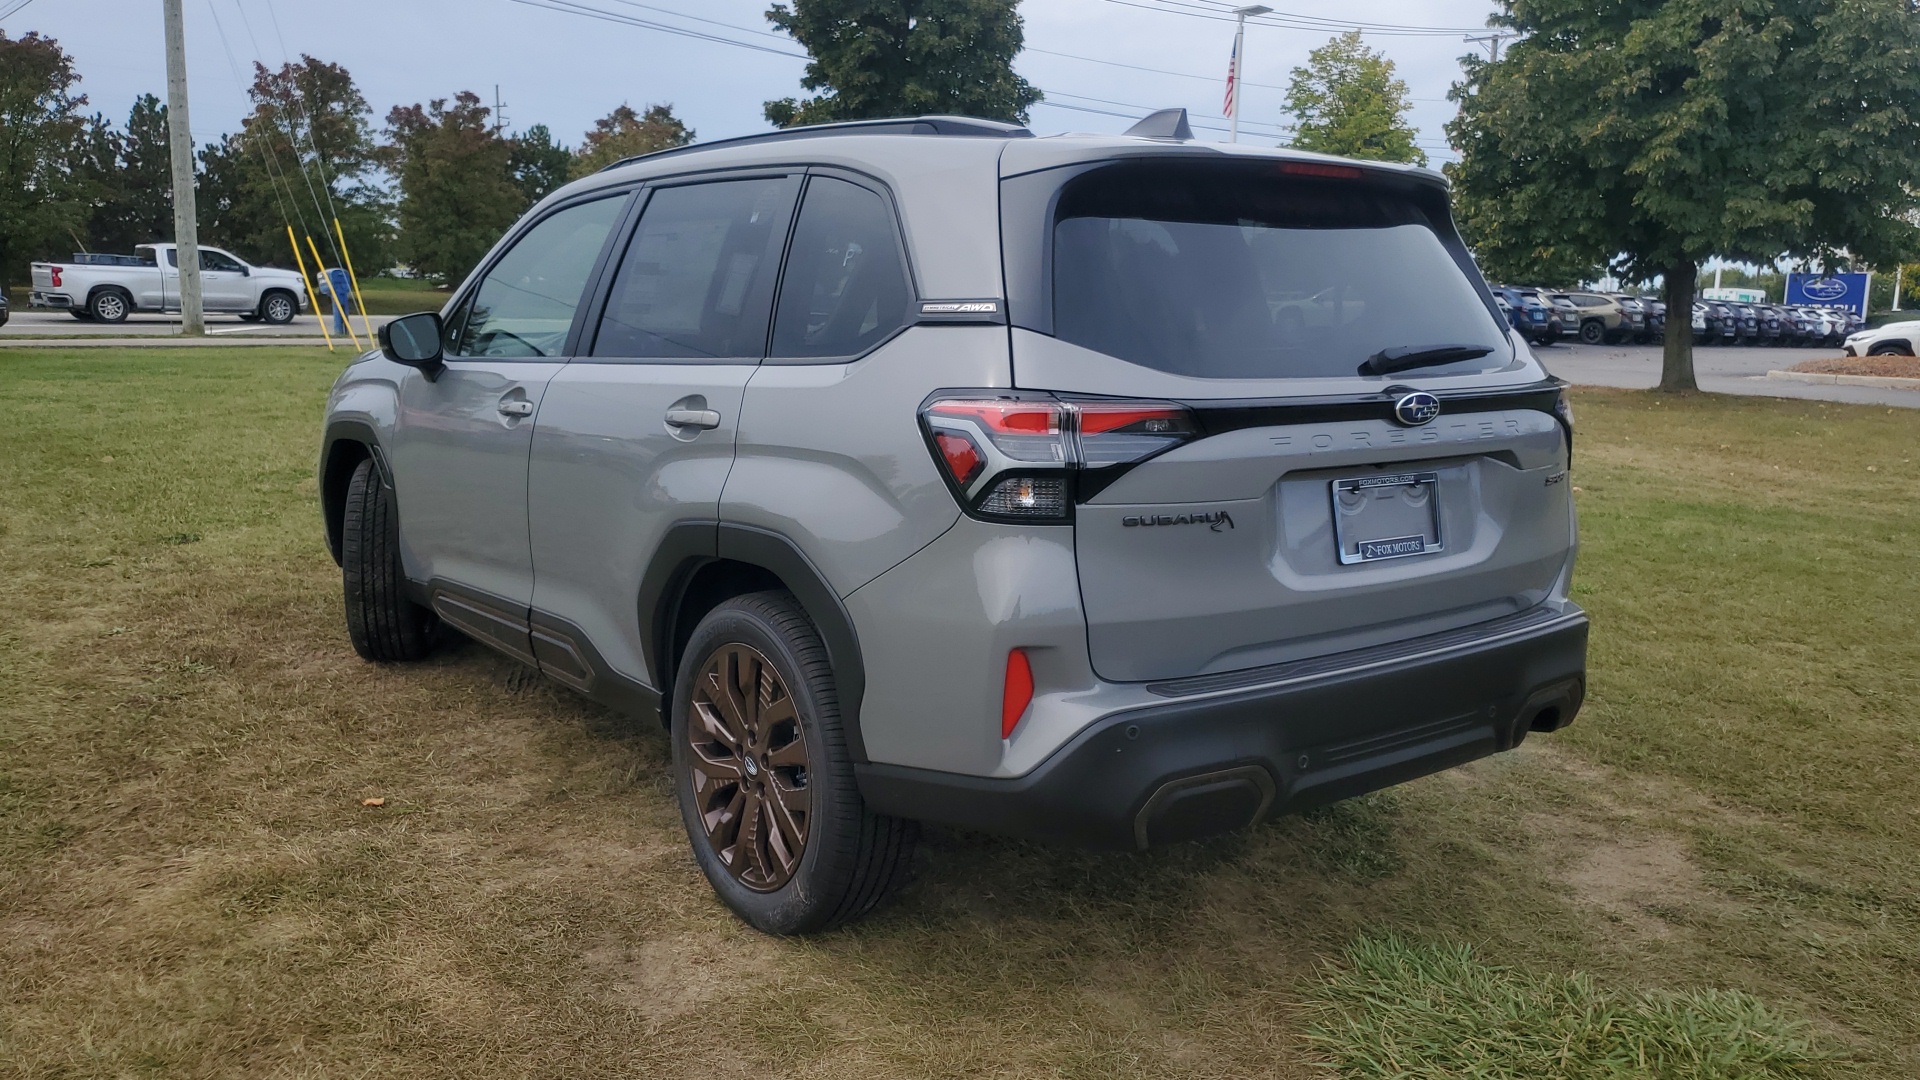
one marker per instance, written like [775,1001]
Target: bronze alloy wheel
[749,773]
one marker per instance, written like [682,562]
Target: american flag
[1233,78]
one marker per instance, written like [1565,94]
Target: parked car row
[1719,322]
[1544,316]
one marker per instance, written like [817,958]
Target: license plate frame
[1406,515]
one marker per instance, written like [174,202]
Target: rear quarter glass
[1239,272]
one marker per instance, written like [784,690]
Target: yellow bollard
[355,278]
[338,301]
[312,300]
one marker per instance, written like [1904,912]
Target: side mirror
[414,340]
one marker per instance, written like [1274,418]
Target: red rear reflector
[964,460]
[1332,172]
[1018,693]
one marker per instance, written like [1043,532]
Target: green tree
[304,155]
[623,133]
[457,194]
[44,193]
[135,198]
[875,58]
[1651,134]
[539,164]
[1347,101]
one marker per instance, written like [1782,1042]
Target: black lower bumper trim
[1209,764]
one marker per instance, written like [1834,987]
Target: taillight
[1028,458]
[56,275]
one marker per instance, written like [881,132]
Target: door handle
[516,408]
[705,419]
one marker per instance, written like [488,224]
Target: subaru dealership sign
[1829,290]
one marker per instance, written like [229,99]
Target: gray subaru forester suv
[1107,490]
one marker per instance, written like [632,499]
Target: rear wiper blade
[1405,357]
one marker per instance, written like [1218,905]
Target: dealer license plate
[1389,516]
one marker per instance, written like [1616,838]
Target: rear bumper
[1322,731]
[39,299]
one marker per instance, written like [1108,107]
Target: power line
[1215,79]
[1220,10]
[274,177]
[306,120]
[572,8]
[15,9]
[1277,131]
[711,22]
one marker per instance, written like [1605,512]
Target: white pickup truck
[108,288]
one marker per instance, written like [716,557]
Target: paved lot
[27,323]
[1720,369]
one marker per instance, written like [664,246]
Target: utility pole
[1239,65]
[1491,41]
[186,230]
[499,112]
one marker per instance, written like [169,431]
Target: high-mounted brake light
[1314,168]
[1026,458]
[1017,694]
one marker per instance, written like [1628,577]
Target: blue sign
[1829,290]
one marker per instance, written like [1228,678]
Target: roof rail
[903,125]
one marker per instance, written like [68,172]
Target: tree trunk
[1676,360]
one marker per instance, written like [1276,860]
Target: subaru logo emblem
[1416,409]
[1825,288]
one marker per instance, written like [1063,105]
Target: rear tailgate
[1309,514]
[1291,538]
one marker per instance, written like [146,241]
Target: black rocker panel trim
[567,656]
[554,646]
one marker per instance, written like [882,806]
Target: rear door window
[1233,273]
[697,278]
[846,287]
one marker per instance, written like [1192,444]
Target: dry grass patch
[190,884]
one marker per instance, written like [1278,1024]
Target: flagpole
[1239,64]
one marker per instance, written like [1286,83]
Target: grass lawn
[1713,873]
[397,296]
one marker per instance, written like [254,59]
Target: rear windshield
[1232,273]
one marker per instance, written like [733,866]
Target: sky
[557,63]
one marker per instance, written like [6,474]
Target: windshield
[1232,273]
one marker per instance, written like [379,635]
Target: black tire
[850,858]
[278,307]
[385,626]
[1593,332]
[1889,348]
[110,305]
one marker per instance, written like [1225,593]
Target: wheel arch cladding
[347,444]
[702,564]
